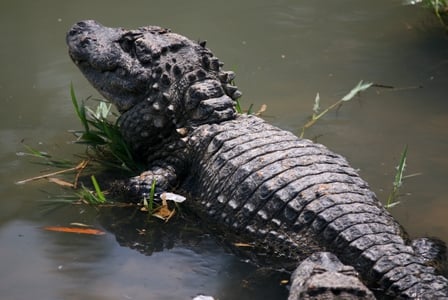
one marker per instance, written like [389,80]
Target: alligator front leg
[163,175]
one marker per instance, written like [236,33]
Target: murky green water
[284,52]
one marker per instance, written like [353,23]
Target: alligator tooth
[155,86]
[170,107]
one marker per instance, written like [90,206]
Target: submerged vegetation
[439,7]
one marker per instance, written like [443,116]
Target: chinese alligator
[291,196]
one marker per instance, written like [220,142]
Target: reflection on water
[283,52]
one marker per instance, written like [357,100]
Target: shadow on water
[186,236]
[283,52]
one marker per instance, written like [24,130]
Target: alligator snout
[78,39]
[80,27]
[94,45]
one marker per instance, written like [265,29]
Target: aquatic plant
[439,7]
[392,199]
[102,136]
[148,203]
[92,197]
[360,87]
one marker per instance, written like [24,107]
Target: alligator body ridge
[290,195]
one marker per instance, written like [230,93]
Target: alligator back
[296,197]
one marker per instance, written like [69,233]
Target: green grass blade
[400,170]
[238,107]
[80,110]
[98,190]
[398,180]
[151,196]
[35,152]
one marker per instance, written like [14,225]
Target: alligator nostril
[81,27]
[85,42]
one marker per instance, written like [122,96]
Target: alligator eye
[126,43]
[318,270]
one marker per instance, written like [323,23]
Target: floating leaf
[357,89]
[78,230]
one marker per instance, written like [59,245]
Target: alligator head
[158,80]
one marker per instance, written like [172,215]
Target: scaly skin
[322,276]
[289,195]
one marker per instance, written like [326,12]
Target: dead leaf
[78,168]
[91,231]
[163,212]
[261,110]
[243,245]
[61,182]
